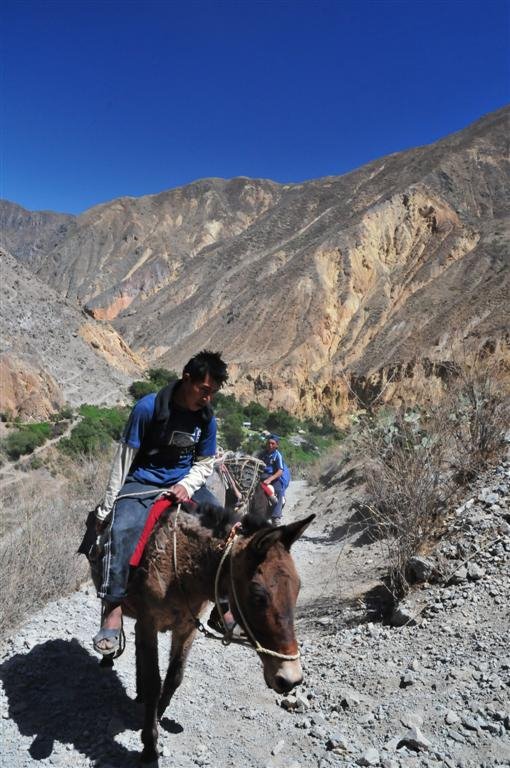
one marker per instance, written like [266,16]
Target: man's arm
[127,449]
[120,467]
[278,462]
[274,476]
[197,476]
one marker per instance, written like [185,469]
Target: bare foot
[112,618]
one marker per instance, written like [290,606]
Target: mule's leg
[150,680]
[138,664]
[182,640]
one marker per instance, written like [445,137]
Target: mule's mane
[220,520]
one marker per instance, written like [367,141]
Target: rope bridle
[228,550]
[227,637]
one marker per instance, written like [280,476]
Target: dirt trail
[60,707]
[422,696]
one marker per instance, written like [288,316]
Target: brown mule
[256,572]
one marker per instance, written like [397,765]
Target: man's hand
[178,492]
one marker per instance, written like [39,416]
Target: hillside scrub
[26,438]
[416,460]
[95,432]
[155,379]
[38,551]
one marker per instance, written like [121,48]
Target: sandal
[112,637]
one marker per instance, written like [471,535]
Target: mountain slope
[52,352]
[306,287]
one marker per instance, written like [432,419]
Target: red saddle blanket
[155,513]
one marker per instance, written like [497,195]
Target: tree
[232,430]
[281,422]
[256,414]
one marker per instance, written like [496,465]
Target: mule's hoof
[150,757]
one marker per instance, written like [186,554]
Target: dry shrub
[327,465]
[477,401]
[38,554]
[39,560]
[416,458]
[407,487]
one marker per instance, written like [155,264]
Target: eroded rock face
[317,293]
[26,390]
[52,352]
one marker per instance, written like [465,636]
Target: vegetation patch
[95,431]
[417,460]
[26,438]
[155,379]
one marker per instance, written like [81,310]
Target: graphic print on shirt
[183,442]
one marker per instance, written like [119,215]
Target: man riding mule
[168,446]
[196,553]
[191,559]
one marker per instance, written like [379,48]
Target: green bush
[65,414]
[139,389]
[95,432]
[281,422]
[225,405]
[256,414]
[231,431]
[155,379]
[26,439]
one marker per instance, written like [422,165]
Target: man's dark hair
[207,363]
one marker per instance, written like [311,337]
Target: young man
[169,445]
[272,458]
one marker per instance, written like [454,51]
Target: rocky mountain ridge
[312,290]
[52,352]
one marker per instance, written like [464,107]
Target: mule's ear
[287,534]
[265,539]
[292,532]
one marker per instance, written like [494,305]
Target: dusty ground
[427,695]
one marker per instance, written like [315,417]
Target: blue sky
[103,99]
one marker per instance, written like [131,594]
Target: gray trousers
[126,526]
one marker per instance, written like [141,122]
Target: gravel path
[433,694]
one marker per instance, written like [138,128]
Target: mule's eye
[258,596]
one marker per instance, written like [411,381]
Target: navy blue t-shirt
[273,461]
[186,430]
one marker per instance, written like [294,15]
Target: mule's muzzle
[283,685]
[284,677]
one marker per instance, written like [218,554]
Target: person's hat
[274,437]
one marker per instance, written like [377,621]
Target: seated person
[169,444]
[272,458]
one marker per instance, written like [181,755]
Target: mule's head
[266,590]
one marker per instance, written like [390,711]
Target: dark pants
[128,519]
[276,512]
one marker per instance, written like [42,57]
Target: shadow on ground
[58,692]
[359,525]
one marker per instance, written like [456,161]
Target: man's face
[197,394]
[272,445]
